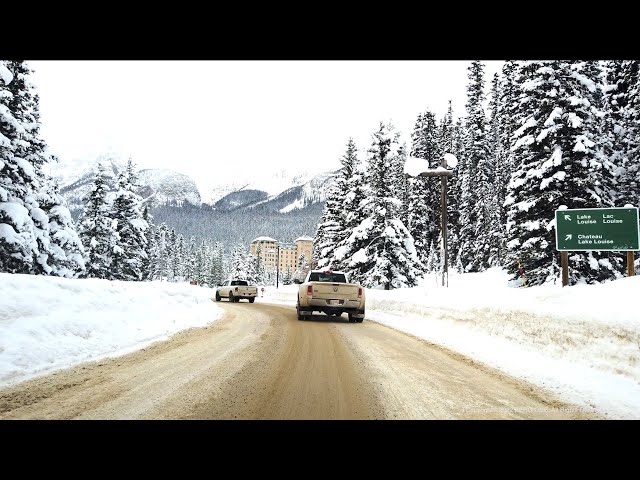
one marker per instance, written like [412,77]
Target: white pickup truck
[236,290]
[329,292]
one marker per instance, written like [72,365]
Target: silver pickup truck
[236,290]
[329,292]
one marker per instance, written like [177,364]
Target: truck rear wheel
[252,299]
[230,297]
[217,296]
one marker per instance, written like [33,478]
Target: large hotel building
[289,253]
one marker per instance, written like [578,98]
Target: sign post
[613,229]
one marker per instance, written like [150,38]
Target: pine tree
[238,263]
[189,260]
[558,161]
[37,234]
[476,178]
[66,256]
[494,196]
[217,264]
[302,268]
[621,130]
[200,262]
[454,195]
[259,267]
[424,207]
[154,253]
[380,251]
[178,263]
[130,253]
[622,104]
[401,186]
[170,242]
[506,126]
[151,265]
[332,228]
[97,232]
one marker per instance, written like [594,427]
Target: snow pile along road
[582,342]
[47,323]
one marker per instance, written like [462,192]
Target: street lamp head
[452,161]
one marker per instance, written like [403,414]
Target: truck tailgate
[342,291]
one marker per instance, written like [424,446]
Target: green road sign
[597,229]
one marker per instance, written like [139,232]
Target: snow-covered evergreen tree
[401,186]
[66,255]
[130,252]
[151,263]
[424,201]
[622,104]
[200,262]
[242,264]
[169,243]
[505,124]
[476,181]
[96,227]
[558,161]
[454,197]
[332,228]
[494,196]
[178,263]
[37,234]
[189,260]
[287,276]
[379,251]
[261,276]
[302,268]
[217,271]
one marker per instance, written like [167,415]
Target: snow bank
[582,342]
[48,323]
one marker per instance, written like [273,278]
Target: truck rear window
[327,277]
[239,283]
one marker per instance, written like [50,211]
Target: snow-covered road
[259,362]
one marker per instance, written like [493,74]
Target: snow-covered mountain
[284,189]
[163,186]
[283,204]
[75,183]
[271,183]
[157,185]
[299,192]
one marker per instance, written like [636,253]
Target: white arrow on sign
[567,217]
[569,237]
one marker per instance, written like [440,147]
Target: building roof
[264,239]
[308,239]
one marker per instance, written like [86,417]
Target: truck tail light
[359,292]
[310,290]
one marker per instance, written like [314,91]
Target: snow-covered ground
[49,323]
[581,342]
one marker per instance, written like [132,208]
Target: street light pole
[443,207]
[278,267]
[418,169]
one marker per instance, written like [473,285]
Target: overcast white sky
[201,117]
